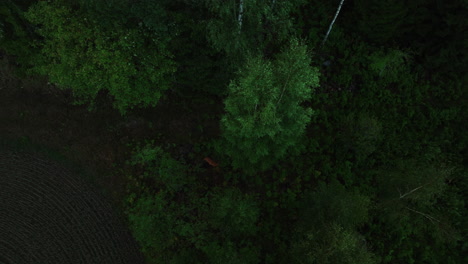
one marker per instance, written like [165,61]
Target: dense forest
[274,131]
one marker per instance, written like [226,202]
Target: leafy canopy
[327,229]
[77,52]
[249,25]
[264,118]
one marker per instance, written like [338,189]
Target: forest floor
[33,112]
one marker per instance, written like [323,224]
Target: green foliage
[233,214]
[178,224]
[145,212]
[368,67]
[361,134]
[437,33]
[326,230]
[160,166]
[333,201]
[333,244]
[412,182]
[2,32]
[381,21]
[228,253]
[77,53]
[15,35]
[406,115]
[393,87]
[231,219]
[153,15]
[201,68]
[221,232]
[410,207]
[264,23]
[388,65]
[264,119]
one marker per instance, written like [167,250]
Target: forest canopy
[280,131]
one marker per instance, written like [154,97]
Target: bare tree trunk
[241,12]
[432,219]
[333,22]
[409,192]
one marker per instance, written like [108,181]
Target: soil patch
[50,215]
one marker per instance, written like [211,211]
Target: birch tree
[242,27]
[264,119]
[331,24]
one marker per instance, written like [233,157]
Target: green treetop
[247,27]
[79,53]
[264,118]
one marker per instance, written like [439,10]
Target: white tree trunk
[241,12]
[333,22]
[432,219]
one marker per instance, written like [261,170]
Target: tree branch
[284,87]
[423,214]
[410,192]
[415,189]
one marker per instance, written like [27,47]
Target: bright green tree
[264,118]
[77,52]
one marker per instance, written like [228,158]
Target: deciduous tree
[245,27]
[264,118]
[76,52]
